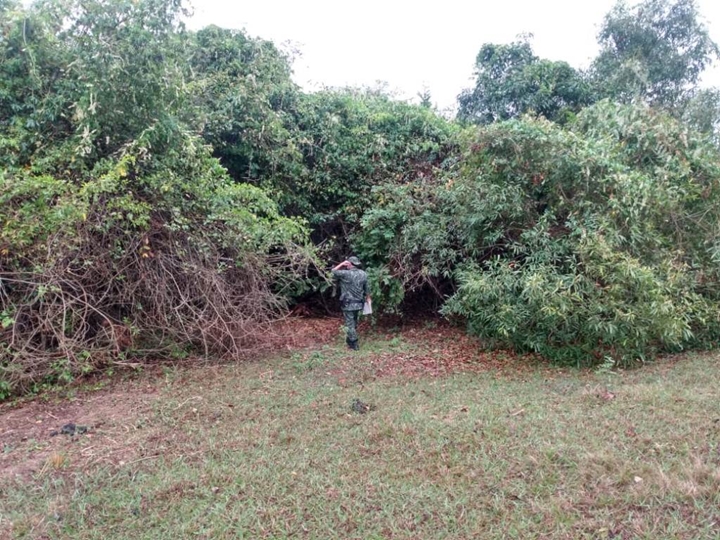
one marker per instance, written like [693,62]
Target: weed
[308,362]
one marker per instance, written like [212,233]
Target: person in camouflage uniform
[353,294]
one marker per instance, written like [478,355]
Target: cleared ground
[444,442]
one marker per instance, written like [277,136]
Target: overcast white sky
[411,45]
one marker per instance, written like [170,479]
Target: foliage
[350,141]
[511,81]
[702,113]
[580,243]
[406,237]
[120,232]
[244,104]
[654,51]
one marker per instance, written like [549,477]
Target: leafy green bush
[121,234]
[244,105]
[609,307]
[592,242]
[349,142]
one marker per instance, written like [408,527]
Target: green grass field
[273,449]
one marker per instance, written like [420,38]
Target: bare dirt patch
[296,333]
[120,420]
[30,438]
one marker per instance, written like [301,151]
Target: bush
[141,261]
[121,234]
[592,242]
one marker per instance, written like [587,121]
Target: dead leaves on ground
[418,349]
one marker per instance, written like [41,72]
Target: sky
[411,46]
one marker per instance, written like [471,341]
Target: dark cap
[355,261]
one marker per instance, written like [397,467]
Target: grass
[273,450]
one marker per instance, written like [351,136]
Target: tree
[654,51]
[702,112]
[425,98]
[243,105]
[511,81]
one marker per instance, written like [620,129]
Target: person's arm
[340,266]
[366,290]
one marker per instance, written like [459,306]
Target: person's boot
[353,345]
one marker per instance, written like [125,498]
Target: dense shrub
[318,154]
[354,140]
[120,232]
[594,242]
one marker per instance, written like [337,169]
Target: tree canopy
[654,51]
[511,81]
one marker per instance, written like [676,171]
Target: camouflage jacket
[353,288]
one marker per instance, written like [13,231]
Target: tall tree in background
[511,80]
[702,112]
[655,51]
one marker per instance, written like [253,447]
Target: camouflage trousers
[351,322]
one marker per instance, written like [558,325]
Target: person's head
[355,262]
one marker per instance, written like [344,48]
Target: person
[353,283]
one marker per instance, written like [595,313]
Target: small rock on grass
[70,429]
[360,407]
